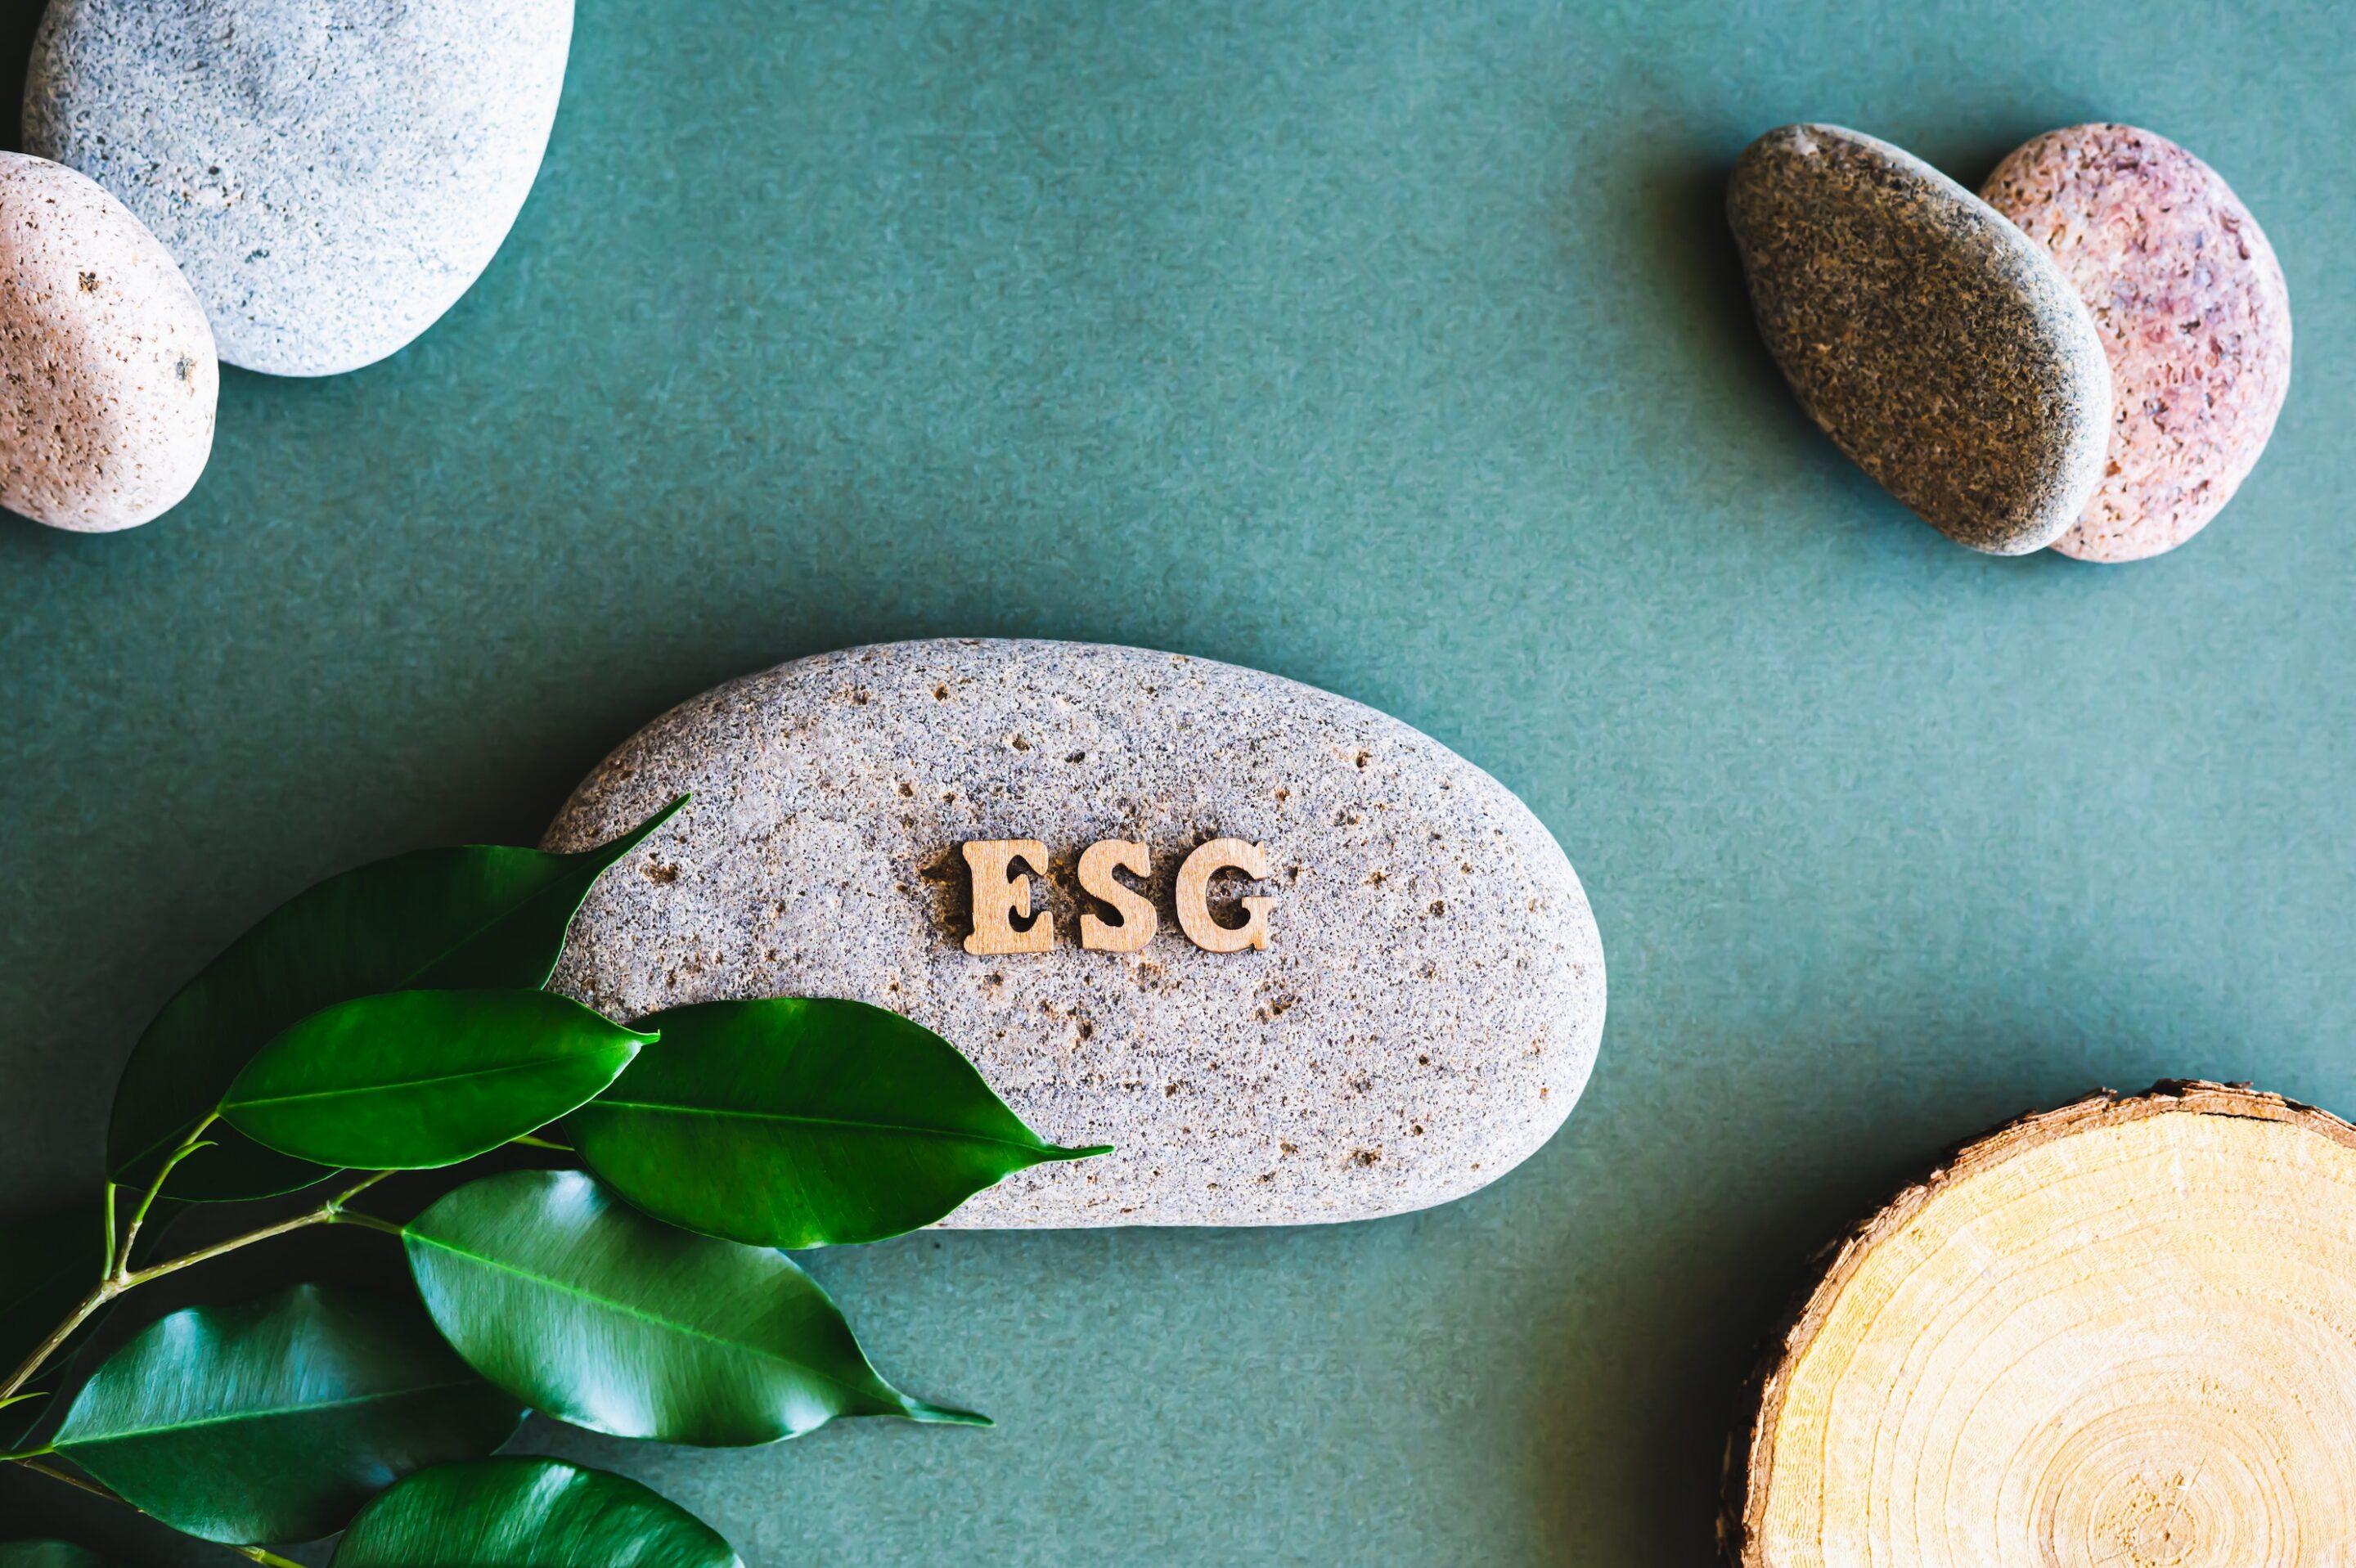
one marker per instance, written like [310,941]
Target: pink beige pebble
[108,380]
[2194,317]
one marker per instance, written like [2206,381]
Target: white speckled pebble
[107,365]
[332,175]
[1424,1015]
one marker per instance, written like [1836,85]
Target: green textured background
[1395,347]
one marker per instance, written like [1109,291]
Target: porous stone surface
[332,175]
[2194,316]
[1938,345]
[1425,1014]
[105,359]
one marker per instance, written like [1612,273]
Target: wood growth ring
[2117,1334]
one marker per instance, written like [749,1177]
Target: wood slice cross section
[2117,1334]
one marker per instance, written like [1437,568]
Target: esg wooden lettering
[1002,894]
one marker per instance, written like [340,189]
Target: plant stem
[30,1462]
[109,1254]
[356,1189]
[119,1263]
[92,1487]
[328,1213]
[528,1141]
[46,1449]
[120,1278]
[132,1280]
[370,1222]
[104,1291]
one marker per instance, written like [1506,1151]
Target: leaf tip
[1056,1152]
[942,1415]
[621,844]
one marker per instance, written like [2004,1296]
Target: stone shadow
[1705,1250]
[19,20]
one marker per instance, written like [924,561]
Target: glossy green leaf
[416,1080]
[578,1305]
[47,1554]
[528,1513]
[793,1123]
[277,1419]
[436,920]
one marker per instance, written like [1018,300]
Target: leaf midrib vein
[621,1309]
[231,1417]
[788,1116]
[346,1090]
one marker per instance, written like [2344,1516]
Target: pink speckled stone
[2193,314]
[107,376]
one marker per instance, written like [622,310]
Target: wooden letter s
[1137,917]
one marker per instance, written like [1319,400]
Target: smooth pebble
[1424,1015]
[2194,315]
[108,364]
[332,175]
[1938,345]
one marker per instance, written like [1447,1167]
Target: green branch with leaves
[396,1019]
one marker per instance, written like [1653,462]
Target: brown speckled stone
[1937,345]
[107,376]
[2193,312]
[1425,1015]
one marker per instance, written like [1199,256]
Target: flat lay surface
[1401,350]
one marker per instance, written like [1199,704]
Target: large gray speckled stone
[1937,344]
[1423,1018]
[332,175]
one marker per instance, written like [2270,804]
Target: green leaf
[436,920]
[416,1080]
[581,1306]
[277,1419]
[47,1554]
[528,1513]
[792,1123]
